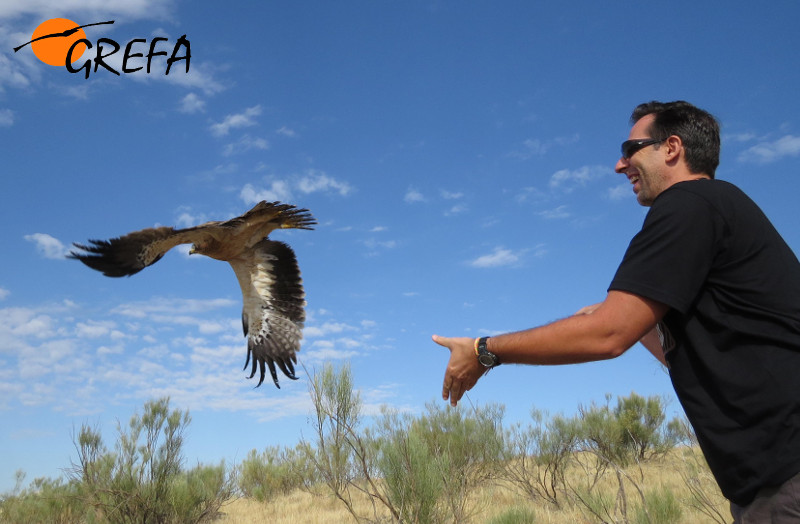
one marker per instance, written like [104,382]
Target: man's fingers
[452,392]
[442,341]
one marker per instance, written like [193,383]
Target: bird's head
[194,249]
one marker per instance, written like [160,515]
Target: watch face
[487,359]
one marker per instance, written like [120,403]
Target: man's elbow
[614,345]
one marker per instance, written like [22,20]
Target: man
[713,291]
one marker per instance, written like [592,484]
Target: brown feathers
[272,290]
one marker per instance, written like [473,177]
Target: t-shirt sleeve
[669,259]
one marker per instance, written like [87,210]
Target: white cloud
[373,244]
[313,181]
[4,293]
[558,213]
[236,121]
[620,191]
[412,196]
[327,328]
[537,147]
[456,210]
[77,362]
[172,306]
[452,195]
[200,76]
[188,219]
[131,9]
[94,329]
[568,179]
[192,103]
[316,181]
[324,351]
[244,144]
[500,257]
[6,118]
[767,152]
[278,190]
[285,131]
[48,246]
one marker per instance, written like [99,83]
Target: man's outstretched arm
[613,327]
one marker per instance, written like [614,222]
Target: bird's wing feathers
[267,271]
[273,312]
[283,216]
[129,254]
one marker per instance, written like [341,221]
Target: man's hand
[588,310]
[463,369]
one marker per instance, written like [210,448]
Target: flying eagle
[274,300]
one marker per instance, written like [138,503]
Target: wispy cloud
[620,192]
[558,213]
[134,9]
[275,190]
[78,361]
[538,147]
[413,196]
[315,181]
[312,181]
[6,118]
[769,151]
[500,257]
[568,180]
[191,103]
[451,195]
[236,121]
[244,144]
[48,246]
[287,132]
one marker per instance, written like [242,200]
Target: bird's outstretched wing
[276,214]
[129,254]
[273,312]
[274,301]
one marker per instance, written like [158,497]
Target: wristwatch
[485,357]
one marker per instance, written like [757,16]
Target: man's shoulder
[707,187]
[705,191]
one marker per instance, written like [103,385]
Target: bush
[660,507]
[515,515]
[405,462]
[431,463]
[45,501]
[536,456]
[275,471]
[142,481]
[632,432]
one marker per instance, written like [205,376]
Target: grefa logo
[62,42]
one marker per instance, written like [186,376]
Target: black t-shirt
[732,333]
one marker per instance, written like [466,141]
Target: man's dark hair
[698,130]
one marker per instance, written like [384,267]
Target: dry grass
[494,500]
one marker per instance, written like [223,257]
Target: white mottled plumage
[272,291]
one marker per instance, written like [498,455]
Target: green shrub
[275,471]
[142,481]
[660,507]
[515,515]
[45,501]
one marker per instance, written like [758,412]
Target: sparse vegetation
[609,463]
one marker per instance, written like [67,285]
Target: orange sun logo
[53,38]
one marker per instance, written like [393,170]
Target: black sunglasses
[629,147]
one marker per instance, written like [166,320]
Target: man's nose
[622,165]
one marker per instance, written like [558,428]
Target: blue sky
[457,155]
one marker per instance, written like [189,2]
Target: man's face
[644,168]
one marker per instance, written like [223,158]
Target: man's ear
[673,147]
